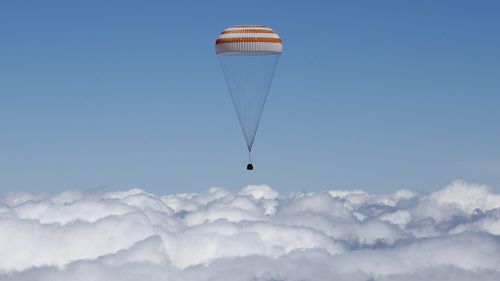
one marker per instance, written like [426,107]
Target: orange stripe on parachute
[248,25]
[247,40]
[248,31]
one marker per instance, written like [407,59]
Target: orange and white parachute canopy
[248,40]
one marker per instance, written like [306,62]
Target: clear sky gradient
[376,95]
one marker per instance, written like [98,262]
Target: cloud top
[254,234]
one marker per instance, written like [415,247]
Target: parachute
[248,55]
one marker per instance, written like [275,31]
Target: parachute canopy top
[248,40]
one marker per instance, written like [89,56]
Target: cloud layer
[256,234]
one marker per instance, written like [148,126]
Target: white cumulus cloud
[254,234]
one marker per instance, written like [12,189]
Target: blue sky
[377,95]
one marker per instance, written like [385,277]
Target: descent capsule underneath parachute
[248,55]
